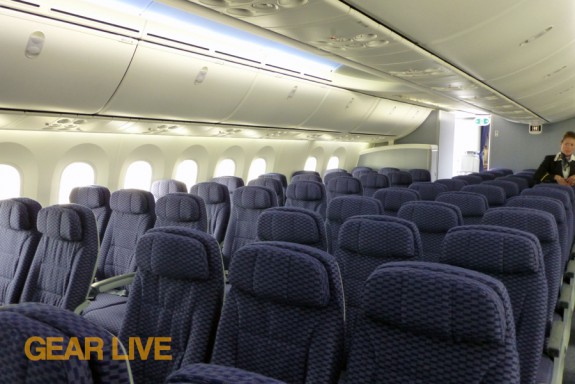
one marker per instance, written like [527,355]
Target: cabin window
[74,175]
[257,168]
[187,172]
[138,176]
[11,182]
[310,164]
[226,167]
[333,162]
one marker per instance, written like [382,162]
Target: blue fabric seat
[431,323]
[97,198]
[306,177]
[515,258]
[392,198]
[177,293]
[359,171]
[452,184]
[231,182]
[19,238]
[307,194]
[162,187]
[293,225]
[364,243]
[218,206]
[283,317]
[343,186]
[181,209]
[387,170]
[428,190]
[273,184]
[419,174]
[400,179]
[373,181]
[65,259]
[248,204]
[333,173]
[511,189]
[495,195]
[469,179]
[472,205]
[282,179]
[343,207]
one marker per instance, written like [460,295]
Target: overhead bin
[393,118]
[54,66]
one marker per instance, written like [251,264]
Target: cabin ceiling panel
[166,83]
[49,66]
[390,117]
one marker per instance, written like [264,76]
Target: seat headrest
[495,195]
[178,253]
[180,207]
[290,224]
[305,190]
[492,249]
[342,207]
[555,193]
[469,203]
[541,224]
[281,272]
[19,213]
[91,196]
[374,180]
[254,197]
[133,201]
[431,216]
[381,237]
[211,192]
[60,222]
[344,184]
[392,198]
[160,188]
[407,298]
[547,204]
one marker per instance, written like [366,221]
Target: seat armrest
[111,283]
[555,342]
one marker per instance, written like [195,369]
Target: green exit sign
[482,120]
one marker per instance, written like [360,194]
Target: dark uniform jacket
[551,166]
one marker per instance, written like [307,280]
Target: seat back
[278,176]
[19,239]
[97,198]
[133,213]
[181,209]
[514,257]
[284,314]
[387,170]
[248,204]
[542,225]
[495,195]
[400,179]
[364,243]
[511,189]
[469,179]
[327,176]
[292,225]
[484,175]
[522,182]
[432,323]
[419,174]
[306,177]
[472,205]
[342,186]
[101,365]
[180,273]
[357,172]
[433,219]
[343,207]
[427,190]
[232,182]
[218,206]
[307,194]
[452,184]
[63,265]
[302,172]
[273,184]
[373,181]
[392,198]
[161,188]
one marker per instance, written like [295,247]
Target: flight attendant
[559,168]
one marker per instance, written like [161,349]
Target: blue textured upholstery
[344,207]
[373,181]
[469,179]
[393,198]
[327,176]
[97,198]
[162,187]
[248,203]
[364,243]
[63,265]
[306,177]
[292,225]
[133,213]
[484,175]
[401,179]
[504,171]
[307,194]
[452,184]
[183,210]
[101,369]
[544,227]
[559,194]
[284,314]
[521,182]
[387,170]
[217,374]
[232,182]
[342,186]
[527,176]
[419,174]
[178,293]
[282,179]
[218,206]
[273,184]
[515,258]
[432,323]
[495,195]
[511,189]
[428,190]
[433,219]
[18,241]
[359,171]
[302,172]
[472,205]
